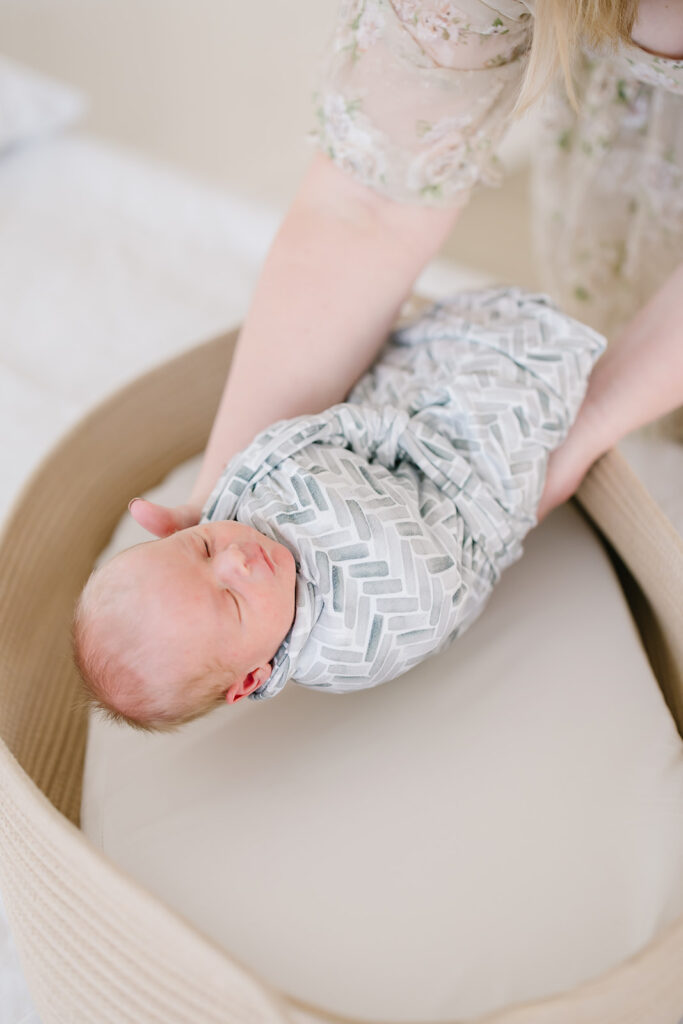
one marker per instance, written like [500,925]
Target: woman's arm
[637,380]
[342,263]
[331,287]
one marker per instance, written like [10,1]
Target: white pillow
[33,105]
[500,824]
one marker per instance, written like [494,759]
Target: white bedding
[108,264]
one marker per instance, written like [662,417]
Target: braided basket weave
[95,946]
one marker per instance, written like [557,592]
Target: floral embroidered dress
[416,94]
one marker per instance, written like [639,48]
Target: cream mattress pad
[500,824]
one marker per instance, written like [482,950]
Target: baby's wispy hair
[107,671]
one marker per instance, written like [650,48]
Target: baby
[341,549]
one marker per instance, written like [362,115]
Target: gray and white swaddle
[403,505]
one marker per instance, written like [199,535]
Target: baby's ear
[251,682]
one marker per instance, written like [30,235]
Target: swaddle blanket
[403,505]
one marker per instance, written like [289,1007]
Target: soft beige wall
[219,87]
[222,89]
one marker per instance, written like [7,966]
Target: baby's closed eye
[203,545]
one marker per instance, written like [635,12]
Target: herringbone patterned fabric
[403,505]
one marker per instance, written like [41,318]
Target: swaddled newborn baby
[342,548]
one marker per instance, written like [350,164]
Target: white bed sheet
[108,264]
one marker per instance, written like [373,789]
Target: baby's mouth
[267,560]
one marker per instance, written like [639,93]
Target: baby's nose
[230,562]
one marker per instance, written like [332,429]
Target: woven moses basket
[94,944]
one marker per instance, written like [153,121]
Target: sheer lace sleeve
[414,95]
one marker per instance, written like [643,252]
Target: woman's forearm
[640,376]
[332,284]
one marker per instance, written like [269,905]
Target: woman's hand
[163,521]
[569,463]
[566,470]
[637,380]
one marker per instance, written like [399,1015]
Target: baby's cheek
[281,610]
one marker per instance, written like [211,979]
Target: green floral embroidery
[432,191]
[358,35]
[668,64]
[619,258]
[496,29]
[497,61]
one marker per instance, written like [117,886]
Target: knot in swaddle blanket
[403,504]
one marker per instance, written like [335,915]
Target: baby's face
[220,592]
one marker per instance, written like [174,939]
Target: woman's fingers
[156,519]
[567,467]
[568,464]
[184,516]
[560,484]
[161,520]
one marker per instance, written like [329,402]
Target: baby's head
[171,628]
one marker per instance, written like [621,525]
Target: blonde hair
[104,674]
[560,27]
